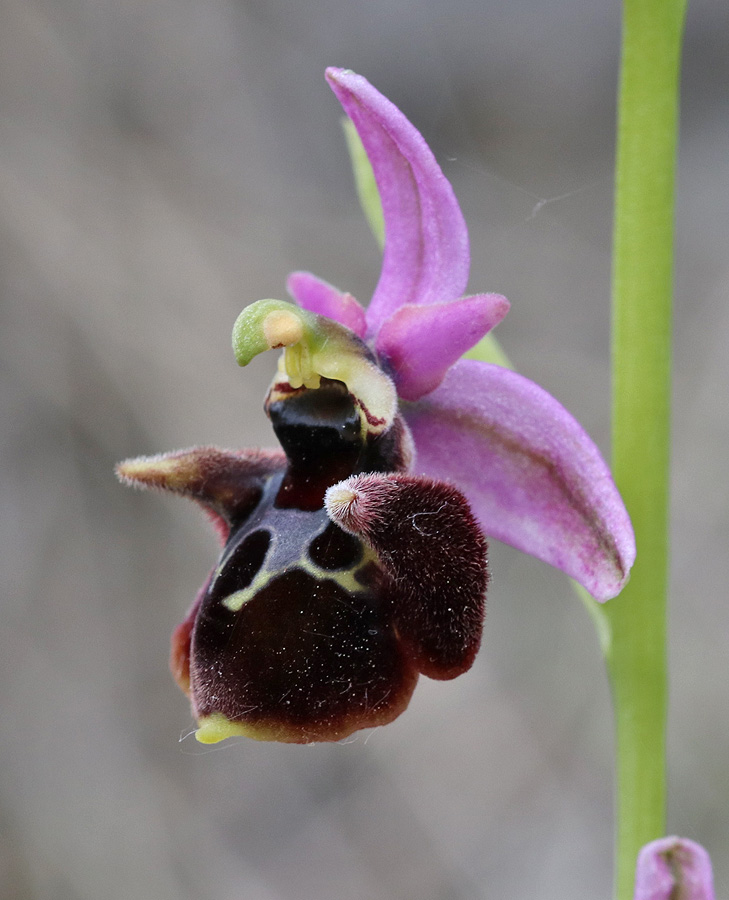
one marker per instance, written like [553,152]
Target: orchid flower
[673,868]
[354,560]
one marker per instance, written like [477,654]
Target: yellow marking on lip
[234,602]
[346,579]
[217,727]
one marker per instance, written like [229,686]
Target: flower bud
[673,868]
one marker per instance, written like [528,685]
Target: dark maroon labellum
[342,578]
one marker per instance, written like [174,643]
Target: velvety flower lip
[674,868]
[534,478]
[343,577]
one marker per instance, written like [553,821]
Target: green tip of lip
[216,727]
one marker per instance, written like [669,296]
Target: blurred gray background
[163,164]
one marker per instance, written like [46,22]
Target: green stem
[642,290]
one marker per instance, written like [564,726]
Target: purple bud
[673,868]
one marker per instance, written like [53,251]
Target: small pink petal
[533,477]
[420,343]
[426,256]
[324,299]
[673,868]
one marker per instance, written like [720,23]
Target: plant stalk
[641,365]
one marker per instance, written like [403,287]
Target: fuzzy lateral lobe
[228,484]
[429,544]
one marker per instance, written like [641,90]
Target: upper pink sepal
[324,299]
[426,256]
[534,478]
[673,868]
[420,343]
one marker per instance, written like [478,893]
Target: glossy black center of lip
[317,427]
